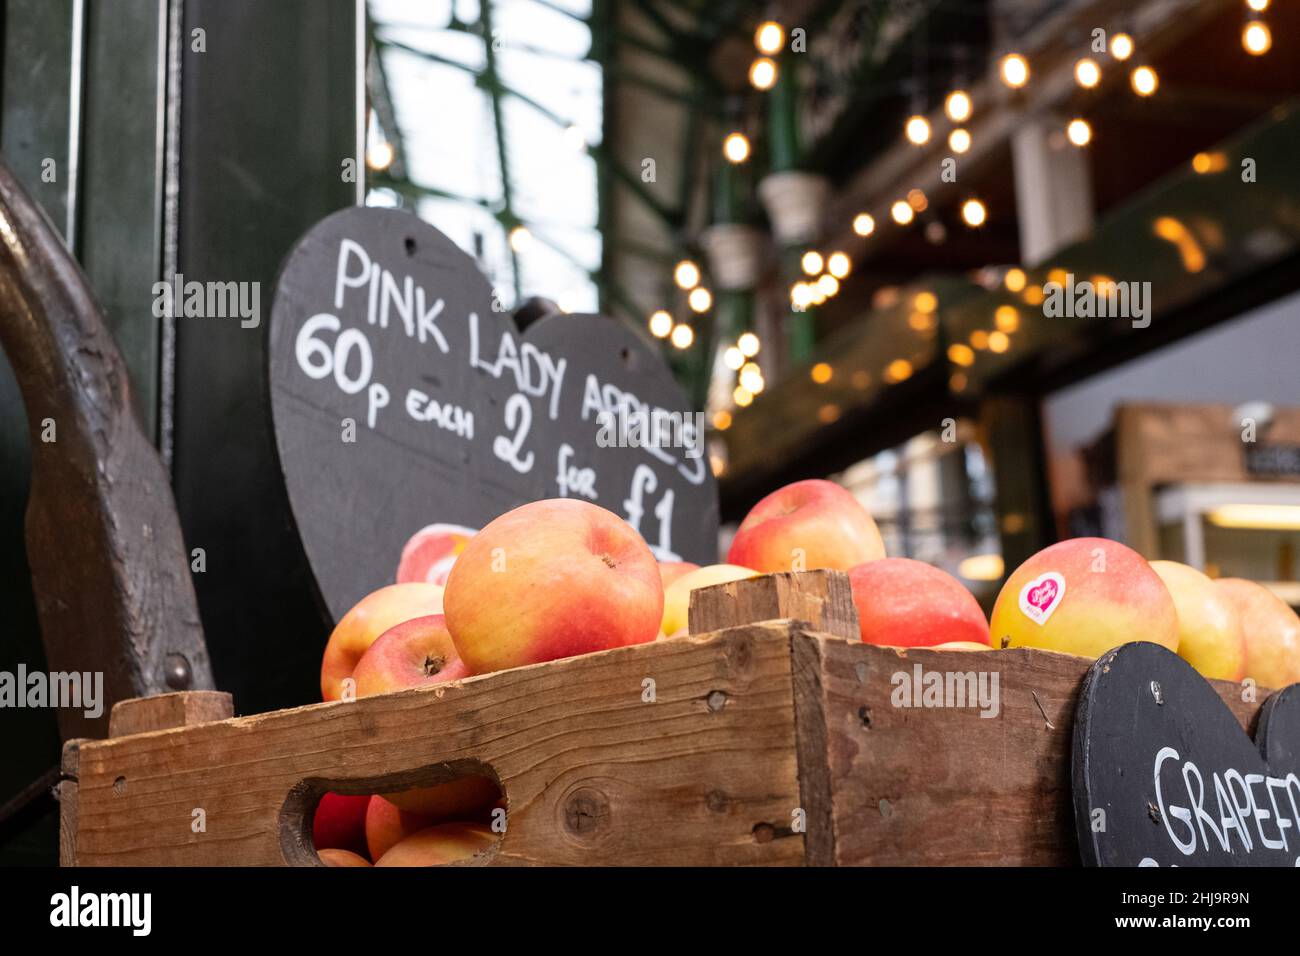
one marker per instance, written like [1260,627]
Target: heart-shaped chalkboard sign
[1165,776]
[409,411]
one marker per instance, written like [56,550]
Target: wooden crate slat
[592,773]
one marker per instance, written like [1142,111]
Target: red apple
[341,858]
[387,825]
[806,525]
[1272,632]
[670,571]
[468,798]
[415,653]
[361,626]
[552,579]
[1209,629]
[440,845]
[430,553]
[1084,596]
[340,822]
[906,603]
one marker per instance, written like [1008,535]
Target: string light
[661,324]
[1014,279]
[1006,318]
[733,358]
[801,295]
[520,238]
[683,336]
[686,275]
[999,341]
[828,285]
[762,73]
[917,130]
[1121,46]
[700,299]
[751,378]
[863,224]
[973,213]
[736,148]
[1079,132]
[722,420]
[1259,6]
[769,37]
[925,302]
[742,396]
[839,264]
[379,156]
[959,140]
[962,355]
[748,344]
[1256,38]
[821,373]
[1015,70]
[898,370]
[979,339]
[1087,73]
[901,212]
[958,106]
[812,262]
[1144,81]
[916,199]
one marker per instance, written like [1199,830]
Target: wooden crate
[764,718]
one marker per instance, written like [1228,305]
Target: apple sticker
[1042,596]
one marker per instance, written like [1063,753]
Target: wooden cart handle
[109,568]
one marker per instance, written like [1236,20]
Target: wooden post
[821,600]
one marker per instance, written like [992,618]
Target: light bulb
[812,262]
[917,130]
[959,140]
[958,106]
[661,323]
[769,37]
[1015,70]
[762,73]
[1144,81]
[379,156]
[748,344]
[1121,46]
[973,213]
[1256,38]
[901,212]
[683,335]
[839,264]
[864,224]
[1079,132]
[1087,73]
[520,238]
[700,299]
[736,148]
[733,359]
[686,275]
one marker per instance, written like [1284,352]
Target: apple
[415,653]
[670,571]
[1210,637]
[340,822]
[336,857]
[807,525]
[361,626]
[440,845]
[906,603]
[677,596]
[1272,632]
[466,798]
[388,825]
[552,579]
[430,553]
[1084,596]
[962,646]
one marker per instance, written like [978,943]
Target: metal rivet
[1157,692]
[886,809]
[176,672]
[119,786]
[717,700]
[864,715]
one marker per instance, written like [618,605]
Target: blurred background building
[847,224]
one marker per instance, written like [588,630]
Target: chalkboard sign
[1165,776]
[409,410]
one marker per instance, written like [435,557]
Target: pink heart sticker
[1042,596]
